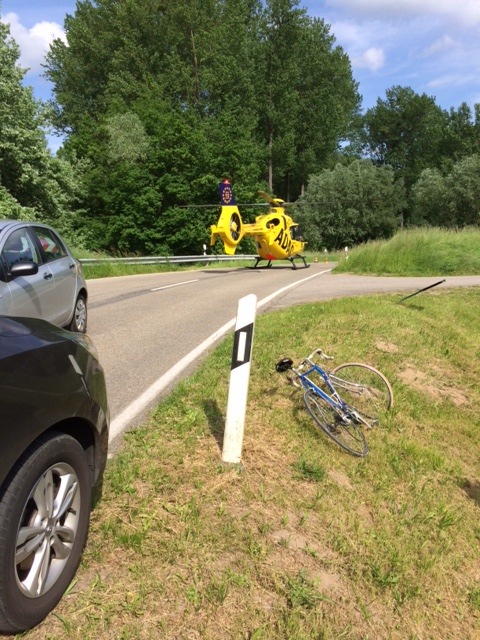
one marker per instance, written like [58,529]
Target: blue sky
[432,46]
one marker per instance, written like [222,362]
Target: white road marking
[169,286]
[121,422]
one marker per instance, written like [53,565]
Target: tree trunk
[270,161]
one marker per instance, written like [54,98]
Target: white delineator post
[239,379]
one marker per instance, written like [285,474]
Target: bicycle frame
[336,401]
[344,410]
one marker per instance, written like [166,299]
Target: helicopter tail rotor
[229,229]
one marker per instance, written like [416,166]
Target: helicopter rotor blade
[217,206]
[263,205]
[197,206]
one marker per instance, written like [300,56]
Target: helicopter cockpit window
[296,232]
[274,222]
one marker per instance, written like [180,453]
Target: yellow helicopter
[276,235]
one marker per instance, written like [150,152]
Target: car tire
[79,319]
[44,520]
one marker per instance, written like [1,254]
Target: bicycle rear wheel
[364,388]
[348,435]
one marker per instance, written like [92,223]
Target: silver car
[39,277]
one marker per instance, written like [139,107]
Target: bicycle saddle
[284,365]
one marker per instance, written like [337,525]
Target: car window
[52,247]
[19,247]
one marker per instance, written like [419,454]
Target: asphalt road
[152,329]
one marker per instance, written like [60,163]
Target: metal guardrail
[166,259]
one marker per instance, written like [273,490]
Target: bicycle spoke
[364,388]
[347,434]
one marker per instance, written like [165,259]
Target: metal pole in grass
[422,290]
[239,379]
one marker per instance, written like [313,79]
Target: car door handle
[72,266]
[48,276]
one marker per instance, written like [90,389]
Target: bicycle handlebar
[320,353]
[309,358]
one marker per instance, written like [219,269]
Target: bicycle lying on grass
[343,401]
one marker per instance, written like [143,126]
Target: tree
[328,103]
[310,96]
[452,200]
[430,199]
[407,132]
[463,132]
[33,184]
[280,35]
[350,204]
[464,187]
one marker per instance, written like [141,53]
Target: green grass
[111,269]
[303,541]
[418,252]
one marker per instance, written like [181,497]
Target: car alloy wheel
[44,518]
[79,320]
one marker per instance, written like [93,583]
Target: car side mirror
[27,268]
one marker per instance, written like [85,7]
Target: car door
[27,295]
[56,257]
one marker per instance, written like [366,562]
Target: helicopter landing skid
[294,266]
[292,260]
[265,266]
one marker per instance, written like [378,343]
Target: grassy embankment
[306,542]
[419,252]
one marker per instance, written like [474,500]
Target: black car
[53,451]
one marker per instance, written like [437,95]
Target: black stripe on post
[242,346]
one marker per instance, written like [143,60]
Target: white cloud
[372,59]
[34,42]
[352,34]
[445,43]
[451,81]
[366,43]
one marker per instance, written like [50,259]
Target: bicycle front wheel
[364,388]
[348,435]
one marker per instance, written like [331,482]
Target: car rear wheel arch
[81,431]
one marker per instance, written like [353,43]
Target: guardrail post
[239,379]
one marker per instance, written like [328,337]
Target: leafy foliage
[33,184]
[350,204]
[406,131]
[451,200]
